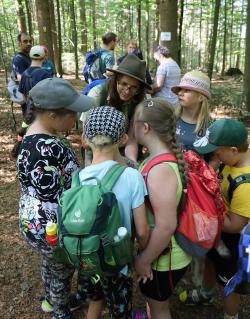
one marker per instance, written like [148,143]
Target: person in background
[132,48]
[168,75]
[154,127]
[48,65]
[193,115]
[20,62]
[45,164]
[109,41]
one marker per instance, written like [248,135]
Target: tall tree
[72,8]
[21,16]
[59,30]
[224,39]
[139,21]
[44,25]
[214,38]
[247,61]
[169,23]
[94,23]
[180,30]
[53,32]
[83,24]
[29,18]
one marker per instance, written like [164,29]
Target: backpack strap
[112,176]
[75,178]
[234,183]
[155,161]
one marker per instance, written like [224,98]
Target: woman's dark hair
[114,98]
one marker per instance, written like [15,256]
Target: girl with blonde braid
[154,127]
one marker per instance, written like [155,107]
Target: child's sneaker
[195,296]
[46,306]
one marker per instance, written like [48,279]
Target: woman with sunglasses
[124,90]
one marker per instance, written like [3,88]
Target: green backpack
[89,219]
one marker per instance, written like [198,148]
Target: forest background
[212,35]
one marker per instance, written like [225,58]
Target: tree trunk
[54,32]
[29,18]
[84,34]
[180,30]
[44,25]
[238,60]
[169,23]
[214,38]
[59,30]
[147,34]
[139,21]
[94,24]
[247,61]
[224,39]
[21,16]
[200,35]
[74,32]
[231,33]
[157,23]
[3,59]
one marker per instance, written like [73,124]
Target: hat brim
[209,148]
[83,103]
[177,88]
[132,76]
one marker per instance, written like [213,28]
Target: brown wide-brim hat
[134,67]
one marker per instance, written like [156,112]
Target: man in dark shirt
[20,62]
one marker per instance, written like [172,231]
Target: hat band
[196,82]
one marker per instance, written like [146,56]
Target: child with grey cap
[104,129]
[45,164]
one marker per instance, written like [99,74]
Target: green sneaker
[195,297]
[46,306]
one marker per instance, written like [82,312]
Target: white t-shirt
[129,189]
[172,73]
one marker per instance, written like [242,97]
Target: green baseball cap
[224,132]
[57,93]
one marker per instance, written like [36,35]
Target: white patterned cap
[196,81]
[105,121]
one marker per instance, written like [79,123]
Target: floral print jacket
[45,164]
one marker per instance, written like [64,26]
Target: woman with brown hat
[124,90]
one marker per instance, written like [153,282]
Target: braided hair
[160,116]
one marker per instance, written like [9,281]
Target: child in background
[45,164]
[154,127]
[228,139]
[48,65]
[104,129]
[194,114]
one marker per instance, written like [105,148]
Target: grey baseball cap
[57,93]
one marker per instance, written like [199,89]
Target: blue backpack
[240,282]
[92,69]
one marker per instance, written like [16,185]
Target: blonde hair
[204,117]
[101,142]
[160,116]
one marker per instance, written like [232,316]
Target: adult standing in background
[132,48]
[168,75]
[20,62]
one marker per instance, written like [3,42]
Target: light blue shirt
[130,189]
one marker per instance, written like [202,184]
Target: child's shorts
[161,288]
[225,268]
[115,290]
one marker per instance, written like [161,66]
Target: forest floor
[20,281]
